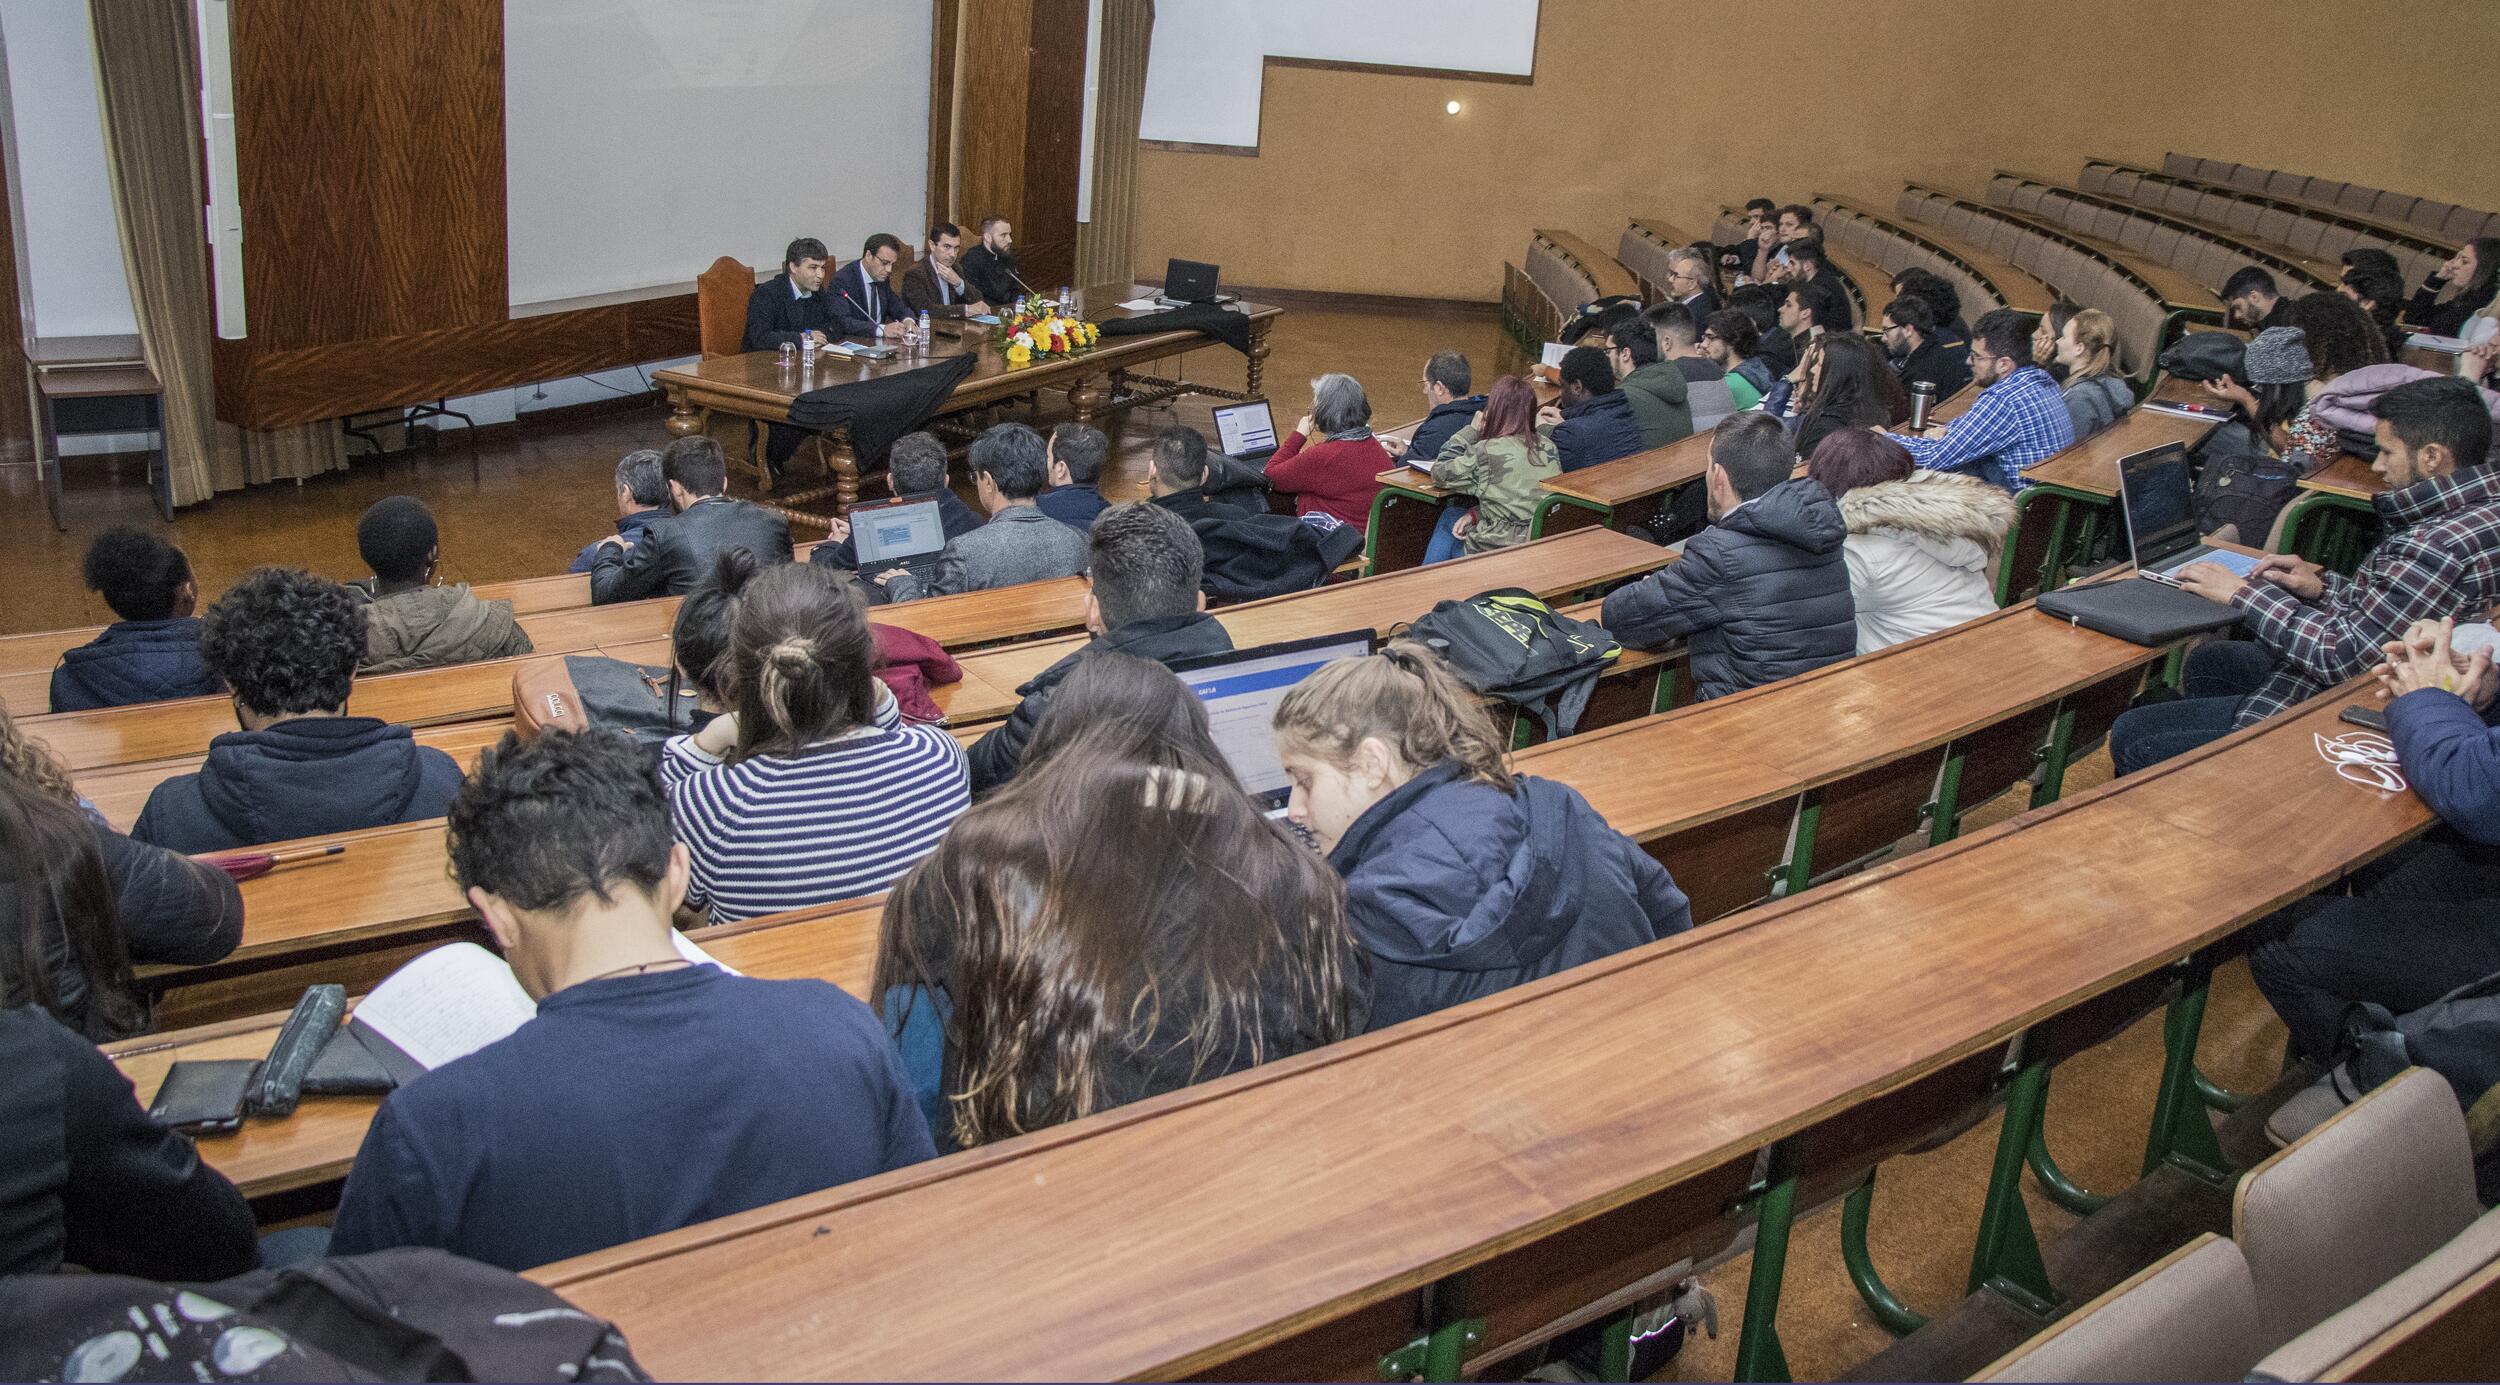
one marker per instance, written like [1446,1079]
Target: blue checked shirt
[2016,424]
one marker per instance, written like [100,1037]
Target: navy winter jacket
[1441,425]
[1459,890]
[1760,595]
[628,528]
[2452,759]
[310,777]
[1600,430]
[134,661]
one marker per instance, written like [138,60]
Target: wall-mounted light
[1453,108]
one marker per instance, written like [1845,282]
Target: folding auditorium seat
[2334,239]
[2274,224]
[2305,235]
[2312,1354]
[2192,1316]
[2161,243]
[2280,184]
[2133,232]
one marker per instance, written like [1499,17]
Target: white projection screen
[645,138]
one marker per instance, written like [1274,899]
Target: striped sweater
[842,819]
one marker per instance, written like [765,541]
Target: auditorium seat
[2192,1315]
[2316,1352]
[2445,220]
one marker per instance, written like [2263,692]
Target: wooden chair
[720,316]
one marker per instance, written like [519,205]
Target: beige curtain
[1105,245]
[147,82]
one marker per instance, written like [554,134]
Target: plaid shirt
[2440,557]
[2016,424]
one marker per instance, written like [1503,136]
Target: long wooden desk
[1275,1224]
[754,385]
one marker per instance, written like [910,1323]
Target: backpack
[1508,644]
[2246,491]
[407,1314]
[2456,1036]
[581,691]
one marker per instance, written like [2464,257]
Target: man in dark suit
[936,282]
[789,307]
[864,303]
[990,267]
[675,553]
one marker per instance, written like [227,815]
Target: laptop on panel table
[1241,690]
[2157,500]
[1189,281]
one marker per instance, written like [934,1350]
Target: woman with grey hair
[1332,463]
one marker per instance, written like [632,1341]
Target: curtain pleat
[1105,245]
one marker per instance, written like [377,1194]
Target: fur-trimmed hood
[1959,520]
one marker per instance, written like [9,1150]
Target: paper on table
[2428,341]
[1143,305]
[687,949]
[1554,353]
[447,1004]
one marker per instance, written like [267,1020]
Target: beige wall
[1363,184]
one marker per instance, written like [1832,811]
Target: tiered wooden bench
[2322,233]
[1984,281]
[1559,273]
[2206,254]
[2442,221]
[1643,251]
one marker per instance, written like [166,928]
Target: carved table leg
[1258,360]
[845,465]
[1086,398]
[684,419]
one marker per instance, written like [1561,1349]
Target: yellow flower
[1019,354]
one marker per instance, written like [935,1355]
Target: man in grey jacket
[1010,466]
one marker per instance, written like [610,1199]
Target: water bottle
[807,350]
[924,327]
[1922,399]
[1067,302]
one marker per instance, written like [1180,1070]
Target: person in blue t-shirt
[649,1093]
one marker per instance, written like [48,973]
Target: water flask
[1922,401]
[924,327]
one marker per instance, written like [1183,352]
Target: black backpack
[2456,1036]
[2246,491]
[1508,644]
[581,691]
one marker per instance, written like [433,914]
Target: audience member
[1787,394]
[1142,572]
[641,499]
[700,637]
[81,903]
[2340,337]
[1500,458]
[2380,293]
[1921,543]
[936,283]
[1448,385]
[1762,593]
[2047,332]
[1692,284]
[1706,391]
[672,554]
[1730,341]
[916,470]
[1850,387]
[410,621]
[1593,422]
[1331,463]
[1187,972]
[1813,307]
[864,303]
[1918,354]
[1940,296]
[2417,925]
[1656,389]
[784,310]
[811,787]
[1462,878]
[1077,452]
[2264,397]
[649,1092]
[1762,303]
[990,267]
[2311,629]
[2468,278]
[2096,396]
[2251,300]
[1010,464]
[1177,476]
[1737,257]
[2019,419]
[152,652]
[93,1181]
[286,644]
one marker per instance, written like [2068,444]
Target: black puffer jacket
[173,909]
[1760,595]
[134,661]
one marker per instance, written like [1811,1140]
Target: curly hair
[285,641]
[29,762]
[138,574]
[2341,336]
[542,823]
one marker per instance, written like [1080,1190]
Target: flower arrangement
[1033,327]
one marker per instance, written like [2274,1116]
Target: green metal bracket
[1662,692]
[1614,1348]
[2063,1191]
[2011,543]
[2051,757]
[1943,810]
[2174,665]
[2006,1261]
[2181,1133]
[1758,1352]
[2214,1094]
[1536,519]
[1890,1312]
[1437,1355]
[1796,869]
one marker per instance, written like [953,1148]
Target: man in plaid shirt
[2019,419]
[2440,556]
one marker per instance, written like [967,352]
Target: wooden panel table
[2078,489]
[754,385]
[88,385]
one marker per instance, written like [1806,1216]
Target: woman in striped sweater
[813,787]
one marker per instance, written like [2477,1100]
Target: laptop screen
[896,530]
[2158,497]
[1241,690]
[1241,429]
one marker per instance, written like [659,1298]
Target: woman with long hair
[1847,385]
[2468,279]
[1118,920]
[812,787]
[2340,338]
[2087,352]
[1500,458]
[2268,391]
[80,902]
[1462,878]
[1921,543]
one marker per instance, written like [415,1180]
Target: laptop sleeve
[2138,610]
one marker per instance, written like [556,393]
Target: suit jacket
[776,314]
[923,291]
[861,301]
[1701,305]
[675,553]
[993,275]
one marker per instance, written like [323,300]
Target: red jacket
[1338,477]
[911,663]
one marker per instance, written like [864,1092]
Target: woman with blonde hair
[1462,878]
[2096,396]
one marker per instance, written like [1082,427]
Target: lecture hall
[751,691]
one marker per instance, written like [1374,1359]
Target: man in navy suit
[864,303]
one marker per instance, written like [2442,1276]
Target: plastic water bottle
[924,327]
[807,350]
[1067,302]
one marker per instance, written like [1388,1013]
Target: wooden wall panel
[1053,138]
[1019,94]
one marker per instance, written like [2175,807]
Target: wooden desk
[2067,499]
[2013,287]
[1189,1235]
[89,385]
[754,385]
[2328,522]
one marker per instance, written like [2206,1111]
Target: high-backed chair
[720,317]
[2192,1315]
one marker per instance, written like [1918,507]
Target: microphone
[875,328]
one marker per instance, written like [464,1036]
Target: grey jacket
[1019,544]
[2096,403]
[432,627]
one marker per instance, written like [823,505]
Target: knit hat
[2278,356]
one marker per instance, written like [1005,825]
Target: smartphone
[204,1097]
[2361,714]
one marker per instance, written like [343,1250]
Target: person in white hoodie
[1922,546]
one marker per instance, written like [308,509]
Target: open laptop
[896,531]
[2157,497]
[1241,690]
[1189,281]
[1246,432]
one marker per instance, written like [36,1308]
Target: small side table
[90,385]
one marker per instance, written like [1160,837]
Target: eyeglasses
[1712,336]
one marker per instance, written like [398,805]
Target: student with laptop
[1019,543]
[1090,877]
[916,469]
[2310,628]
[1462,878]
[1142,570]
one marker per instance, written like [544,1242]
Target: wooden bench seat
[1985,281]
[2205,252]
[2322,233]
[2445,222]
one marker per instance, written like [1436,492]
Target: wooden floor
[545,491]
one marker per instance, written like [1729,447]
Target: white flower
[1023,339]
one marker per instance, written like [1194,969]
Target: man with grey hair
[1331,464]
[1689,280]
[641,497]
